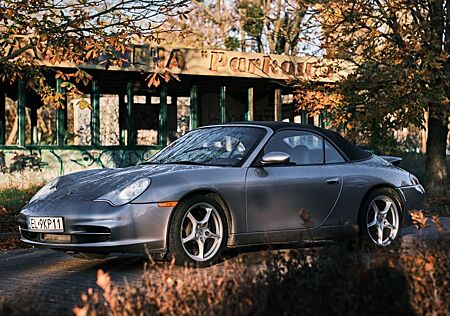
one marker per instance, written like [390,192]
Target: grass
[11,202]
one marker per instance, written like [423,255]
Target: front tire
[198,232]
[380,218]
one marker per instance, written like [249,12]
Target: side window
[332,155]
[305,148]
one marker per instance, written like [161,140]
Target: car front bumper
[98,227]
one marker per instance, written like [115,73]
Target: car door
[297,195]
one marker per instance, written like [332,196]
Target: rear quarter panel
[358,179]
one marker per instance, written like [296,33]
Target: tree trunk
[435,159]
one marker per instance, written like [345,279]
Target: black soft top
[351,151]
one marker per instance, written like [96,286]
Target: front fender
[228,182]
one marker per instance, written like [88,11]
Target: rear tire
[380,218]
[198,232]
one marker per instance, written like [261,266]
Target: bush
[331,281]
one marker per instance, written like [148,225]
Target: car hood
[91,184]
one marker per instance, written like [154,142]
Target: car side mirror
[275,158]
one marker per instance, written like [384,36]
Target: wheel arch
[383,186]
[214,195]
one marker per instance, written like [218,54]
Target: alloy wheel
[383,220]
[201,232]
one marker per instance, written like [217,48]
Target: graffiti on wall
[40,165]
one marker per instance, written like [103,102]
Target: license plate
[46,224]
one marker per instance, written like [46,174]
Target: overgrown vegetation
[325,281]
[11,202]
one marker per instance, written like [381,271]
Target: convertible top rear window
[353,152]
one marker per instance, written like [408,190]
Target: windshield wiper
[149,163]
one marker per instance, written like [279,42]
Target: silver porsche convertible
[226,186]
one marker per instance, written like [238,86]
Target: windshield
[215,146]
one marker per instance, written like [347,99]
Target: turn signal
[167,204]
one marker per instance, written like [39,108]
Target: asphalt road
[56,279]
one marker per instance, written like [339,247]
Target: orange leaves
[435,219]
[81,76]
[430,263]
[61,75]
[419,219]
[81,311]
[153,79]
[93,53]
[104,281]
[83,104]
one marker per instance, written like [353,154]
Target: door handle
[332,181]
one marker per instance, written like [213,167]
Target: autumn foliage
[411,280]
[61,33]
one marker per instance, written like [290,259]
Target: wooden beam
[278,102]
[162,129]
[249,115]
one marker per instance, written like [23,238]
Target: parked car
[226,186]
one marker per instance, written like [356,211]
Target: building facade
[126,120]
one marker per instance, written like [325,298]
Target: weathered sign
[212,62]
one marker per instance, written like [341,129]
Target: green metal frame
[122,119]
[2,117]
[304,117]
[223,104]
[60,117]
[162,129]
[131,131]
[21,100]
[95,113]
[80,147]
[193,120]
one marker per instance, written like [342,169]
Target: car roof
[351,151]
[276,125]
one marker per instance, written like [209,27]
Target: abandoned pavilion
[127,121]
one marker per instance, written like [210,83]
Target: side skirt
[288,236]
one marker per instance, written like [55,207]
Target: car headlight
[127,194]
[45,190]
